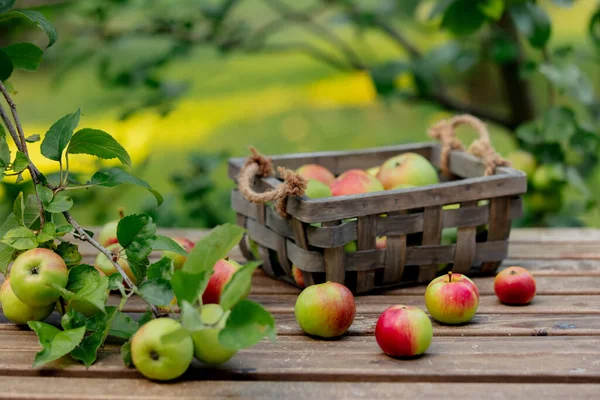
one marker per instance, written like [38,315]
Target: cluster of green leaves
[87,322]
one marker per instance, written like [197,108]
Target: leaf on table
[161,269]
[238,286]
[247,325]
[55,343]
[156,291]
[145,318]
[69,253]
[213,247]
[58,136]
[86,289]
[98,143]
[165,243]
[87,351]
[189,286]
[112,177]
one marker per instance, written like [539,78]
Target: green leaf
[98,143]
[558,124]
[529,133]
[25,56]
[492,9]
[213,247]
[462,18]
[189,286]
[58,136]
[31,212]
[87,351]
[6,66]
[157,292]
[126,354]
[167,244]
[439,8]
[113,177]
[20,163]
[87,289]
[69,253]
[33,138]
[55,343]
[59,204]
[113,281]
[568,77]
[247,325]
[19,208]
[29,217]
[64,229]
[20,238]
[135,233]
[238,286]
[161,269]
[145,318]
[190,317]
[123,326]
[37,18]
[45,194]
[73,319]
[6,5]
[47,233]
[533,22]
[563,3]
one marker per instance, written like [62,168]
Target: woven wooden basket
[314,232]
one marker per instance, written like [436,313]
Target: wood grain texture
[47,388]
[433,222]
[366,239]
[335,260]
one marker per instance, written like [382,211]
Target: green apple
[33,275]
[407,168]
[207,347]
[178,259]
[157,359]
[18,312]
[104,265]
[108,234]
[317,189]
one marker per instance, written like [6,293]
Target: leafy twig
[83,234]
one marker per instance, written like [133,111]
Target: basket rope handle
[259,165]
[445,132]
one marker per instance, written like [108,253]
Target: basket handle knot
[445,132]
[259,165]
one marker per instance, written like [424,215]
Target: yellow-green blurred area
[278,102]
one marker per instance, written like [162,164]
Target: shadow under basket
[461,224]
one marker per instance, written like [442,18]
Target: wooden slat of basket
[465,243]
[433,222]
[395,257]
[499,226]
[367,238]
[335,260]
[306,260]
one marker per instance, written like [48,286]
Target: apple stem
[449,276]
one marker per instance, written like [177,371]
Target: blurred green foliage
[501,60]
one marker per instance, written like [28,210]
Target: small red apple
[452,298]
[403,331]
[222,273]
[515,286]
[298,277]
[326,310]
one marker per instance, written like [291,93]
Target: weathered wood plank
[46,388]
[560,304]
[473,359]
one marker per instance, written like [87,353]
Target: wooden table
[549,350]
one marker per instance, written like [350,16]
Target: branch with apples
[44,271]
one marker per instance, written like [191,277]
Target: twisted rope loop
[445,132]
[258,165]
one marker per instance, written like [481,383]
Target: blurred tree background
[184,84]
